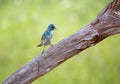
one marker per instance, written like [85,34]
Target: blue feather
[47,36]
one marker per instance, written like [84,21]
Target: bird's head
[51,27]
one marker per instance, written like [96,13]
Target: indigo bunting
[47,36]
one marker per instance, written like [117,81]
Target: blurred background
[22,22]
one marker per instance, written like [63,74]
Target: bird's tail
[39,45]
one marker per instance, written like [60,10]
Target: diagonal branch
[115,4]
[106,24]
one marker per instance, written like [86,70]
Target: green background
[22,22]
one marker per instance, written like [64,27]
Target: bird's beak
[55,28]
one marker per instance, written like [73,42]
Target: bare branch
[115,4]
[106,24]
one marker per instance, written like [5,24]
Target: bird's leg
[43,50]
[51,44]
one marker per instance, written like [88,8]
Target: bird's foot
[51,45]
[42,51]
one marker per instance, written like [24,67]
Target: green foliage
[22,22]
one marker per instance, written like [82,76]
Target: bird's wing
[47,35]
[44,36]
[45,40]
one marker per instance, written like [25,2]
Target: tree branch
[106,24]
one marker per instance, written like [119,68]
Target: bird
[47,36]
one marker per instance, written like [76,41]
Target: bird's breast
[50,36]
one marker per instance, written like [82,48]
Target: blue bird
[47,36]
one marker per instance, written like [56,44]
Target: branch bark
[106,24]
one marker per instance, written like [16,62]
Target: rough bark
[106,24]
